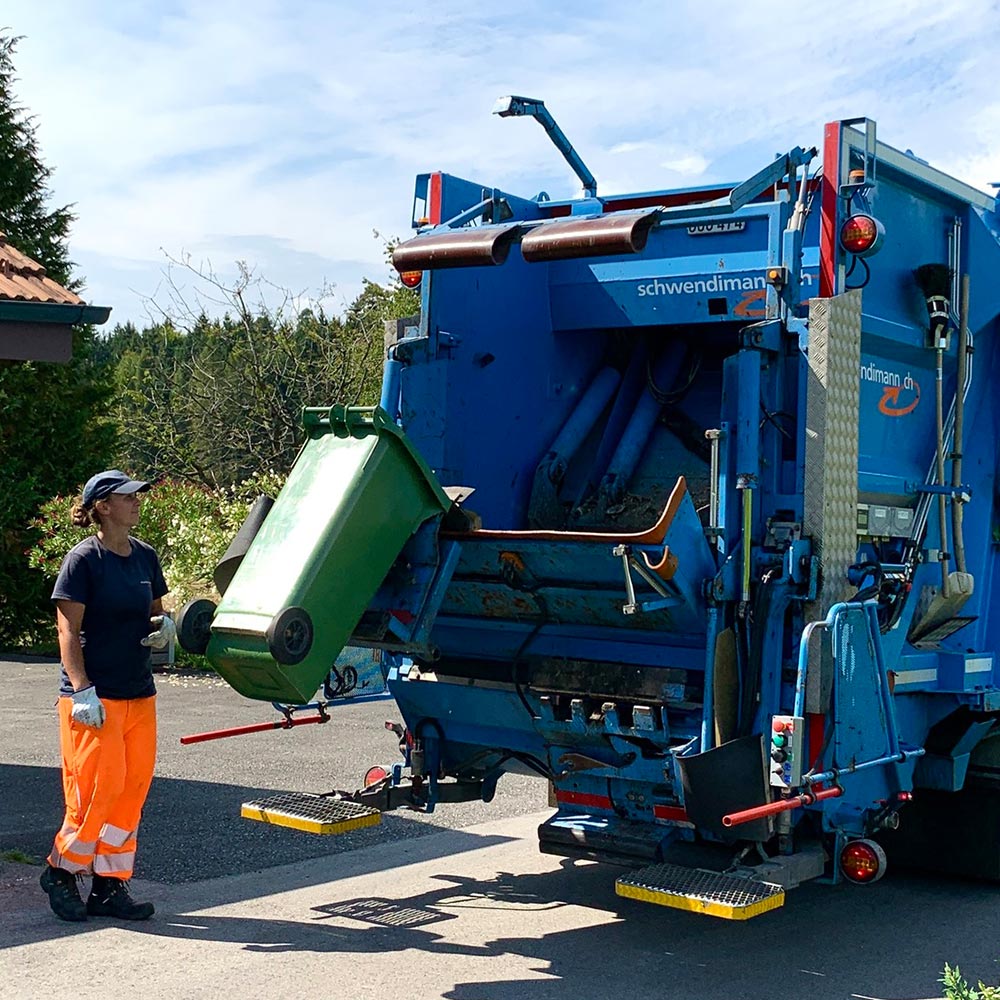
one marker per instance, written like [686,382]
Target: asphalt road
[191,828]
[416,906]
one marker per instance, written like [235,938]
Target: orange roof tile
[23,279]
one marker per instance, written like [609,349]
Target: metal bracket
[632,606]
[960,494]
[868,180]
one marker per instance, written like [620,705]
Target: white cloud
[284,134]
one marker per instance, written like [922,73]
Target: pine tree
[53,429]
[24,217]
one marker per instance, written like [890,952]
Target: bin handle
[345,421]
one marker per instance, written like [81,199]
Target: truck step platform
[311,813]
[700,891]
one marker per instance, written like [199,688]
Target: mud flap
[725,780]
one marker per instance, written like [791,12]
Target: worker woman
[108,614]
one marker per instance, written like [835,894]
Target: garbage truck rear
[687,502]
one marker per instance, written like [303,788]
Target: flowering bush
[189,525]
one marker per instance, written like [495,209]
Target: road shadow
[827,942]
[191,830]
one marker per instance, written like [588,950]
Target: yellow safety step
[312,813]
[700,891]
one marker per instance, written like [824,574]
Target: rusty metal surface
[606,235]
[467,247]
[615,681]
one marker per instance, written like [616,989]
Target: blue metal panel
[523,369]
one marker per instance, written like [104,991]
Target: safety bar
[782,805]
[800,678]
[257,727]
[839,772]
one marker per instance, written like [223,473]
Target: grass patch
[19,857]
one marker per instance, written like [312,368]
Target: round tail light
[374,775]
[862,862]
[861,235]
[411,278]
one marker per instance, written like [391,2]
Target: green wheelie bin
[356,493]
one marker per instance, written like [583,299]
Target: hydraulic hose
[942,499]
[958,539]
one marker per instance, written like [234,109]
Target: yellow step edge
[697,890]
[726,911]
[300,811]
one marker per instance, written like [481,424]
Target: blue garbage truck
[685,501]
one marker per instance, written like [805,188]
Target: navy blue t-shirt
[118,593]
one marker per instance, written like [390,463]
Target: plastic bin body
[354,496]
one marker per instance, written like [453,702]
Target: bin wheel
[194,625]
[290,635]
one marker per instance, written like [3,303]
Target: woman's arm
[69,620]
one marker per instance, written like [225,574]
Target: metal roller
[604,236]
[475,247]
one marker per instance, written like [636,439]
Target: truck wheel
[290,636]
[194,625]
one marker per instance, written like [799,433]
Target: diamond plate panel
[718,894]
[831,471]
[312,813]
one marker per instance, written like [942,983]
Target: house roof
[24,280]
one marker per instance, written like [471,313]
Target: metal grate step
[701,891]
[312,813]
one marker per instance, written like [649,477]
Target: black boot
[109,897]
[64,896]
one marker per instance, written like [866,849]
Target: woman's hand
[88,709]
[166,633]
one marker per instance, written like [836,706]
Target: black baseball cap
[110,481]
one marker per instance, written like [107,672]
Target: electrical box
[786,753]
[880,521]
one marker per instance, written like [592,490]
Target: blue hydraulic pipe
[632,385]
[581,422]
[708,691]
[513,106]
[636,436]
[391,379]
[871,609]
[800,679]
[840,772]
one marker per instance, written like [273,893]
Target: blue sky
[283,134]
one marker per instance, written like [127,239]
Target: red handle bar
[257,727]
[784,805]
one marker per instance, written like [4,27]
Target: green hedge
[190,526]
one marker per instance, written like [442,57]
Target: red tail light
[862,862]
[374,775]
[861,235]
[411,278]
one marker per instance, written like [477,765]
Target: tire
[290,636]
[194,625]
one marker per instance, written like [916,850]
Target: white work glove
[165,633]
[88,709]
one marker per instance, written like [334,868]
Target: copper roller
[465,247]
[604,236]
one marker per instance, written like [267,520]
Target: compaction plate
[312,813]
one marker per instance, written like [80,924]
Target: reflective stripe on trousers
[106,777]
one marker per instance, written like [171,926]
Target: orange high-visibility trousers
[106,777]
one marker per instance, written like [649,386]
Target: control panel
[786,753]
